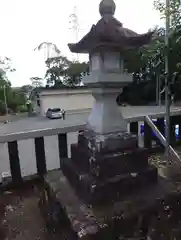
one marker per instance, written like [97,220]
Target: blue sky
[27,23]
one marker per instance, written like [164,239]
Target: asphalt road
[35,123]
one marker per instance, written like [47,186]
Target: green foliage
[74,73]
[150,60]
[6,65]
[61,71]
[174,11]
[26,90]
[2,108]
[22,108]
[14,98]
[56,70]
[157,46]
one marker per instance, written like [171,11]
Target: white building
[69,99]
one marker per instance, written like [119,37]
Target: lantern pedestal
[105,116]
[106,163]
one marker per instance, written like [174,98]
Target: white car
[54,113]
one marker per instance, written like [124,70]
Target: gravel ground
[159,159]
[21,218]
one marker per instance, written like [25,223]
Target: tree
[174,11]
[36,82]
[56,70]
[6,64]
[75,72]
[61,71]
[5,85]
[149,61]
[174,51]
[26,89]
[14,97]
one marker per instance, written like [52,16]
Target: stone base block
[107,143]
[105,165]
[94,190]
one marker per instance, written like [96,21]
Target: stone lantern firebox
[106,158]
[106,79]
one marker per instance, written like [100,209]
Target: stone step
[108,143]
[93,190]
[117,218]
[108,165]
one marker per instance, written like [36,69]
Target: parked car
[54,113]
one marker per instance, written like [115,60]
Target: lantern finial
[107,7]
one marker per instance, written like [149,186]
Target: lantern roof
[109,33]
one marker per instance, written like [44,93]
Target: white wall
[27,156]
[69,101]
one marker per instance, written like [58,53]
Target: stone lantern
[108,189]
[106,44]
[105,149]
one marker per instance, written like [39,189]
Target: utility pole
[74,21]
[167,92]
[157,89]
[160,96]
[5,99]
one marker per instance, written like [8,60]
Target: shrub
[2,108]
[22,108]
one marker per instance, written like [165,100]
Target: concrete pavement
[35,123]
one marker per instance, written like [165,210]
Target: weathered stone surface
[107,143]
[109,32]
[109,164]
[94,190]
[135,214]
[105,117]
[104,165]
[81,217]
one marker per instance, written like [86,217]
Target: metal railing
[162,139]
[38,151]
